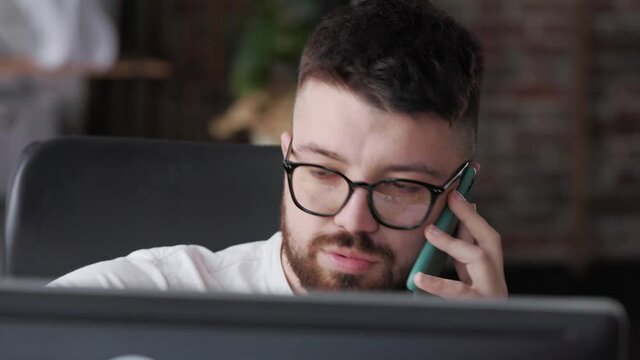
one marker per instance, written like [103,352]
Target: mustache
[360,242]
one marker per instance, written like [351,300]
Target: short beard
[305,263]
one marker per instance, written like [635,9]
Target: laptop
[53,323]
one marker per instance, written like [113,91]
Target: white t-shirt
[246,268]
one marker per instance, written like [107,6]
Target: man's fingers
[486,237]
[464,234]
[482,273]
[461,251]
[445,288]
[466,212]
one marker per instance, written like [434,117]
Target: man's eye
[406,188]
[320,173]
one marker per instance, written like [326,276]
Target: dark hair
[399,55]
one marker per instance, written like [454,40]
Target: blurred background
[559,139]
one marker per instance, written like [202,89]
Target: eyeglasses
[401,204]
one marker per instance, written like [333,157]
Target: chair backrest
[75,201]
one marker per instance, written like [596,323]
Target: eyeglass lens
[397,203]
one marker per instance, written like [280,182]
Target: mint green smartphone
[431,260]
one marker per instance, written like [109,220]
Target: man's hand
[477,255]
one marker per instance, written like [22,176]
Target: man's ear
[285,140]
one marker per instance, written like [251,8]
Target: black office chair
[75,201]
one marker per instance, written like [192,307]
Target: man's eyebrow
[416,168]
[315,149]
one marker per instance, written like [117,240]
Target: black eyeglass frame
[435,190]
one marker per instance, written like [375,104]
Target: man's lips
[352,254]
[347,261]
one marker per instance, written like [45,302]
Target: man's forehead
[340,126]
[313,92]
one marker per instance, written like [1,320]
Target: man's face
[336,129]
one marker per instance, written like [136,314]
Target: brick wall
[616,126]
[530,119]
[536,103]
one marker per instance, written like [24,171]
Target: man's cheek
[407,255]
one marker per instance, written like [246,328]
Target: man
[385,115]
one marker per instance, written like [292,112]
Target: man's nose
[355,216]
